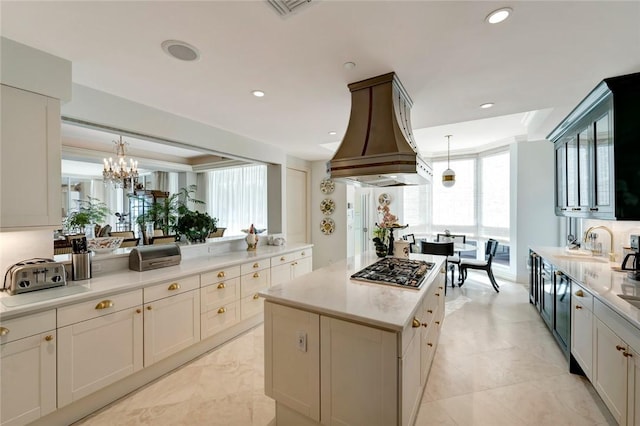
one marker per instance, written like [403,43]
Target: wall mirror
[234,191]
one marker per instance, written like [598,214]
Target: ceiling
[535,66]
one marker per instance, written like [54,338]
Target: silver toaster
[34,274]
[144,258]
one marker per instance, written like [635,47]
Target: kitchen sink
[581,258]
[634,300]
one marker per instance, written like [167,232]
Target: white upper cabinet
[30,158]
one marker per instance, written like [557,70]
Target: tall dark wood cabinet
[597,153]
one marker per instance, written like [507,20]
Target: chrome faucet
[612,255]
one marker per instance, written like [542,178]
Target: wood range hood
[378,148]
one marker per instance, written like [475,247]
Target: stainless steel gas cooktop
[395,271]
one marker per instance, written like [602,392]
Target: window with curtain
[454,208]
[238,197]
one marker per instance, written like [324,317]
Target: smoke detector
[180,50]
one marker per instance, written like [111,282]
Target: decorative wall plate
[384,199]
[327,206]
[327,186]
[327,226]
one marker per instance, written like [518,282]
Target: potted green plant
[91,211]
[196,226]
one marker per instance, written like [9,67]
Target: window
[238,197]
[494,195]
[454,208]
[415,207]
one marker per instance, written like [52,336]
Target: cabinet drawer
[220,318]
[256,265]
[219,275]
[27,326]
[98,307]
[282,259]
[221,293]
[250,306]
[171,288]
[254,282]
[304,253]
[580,296]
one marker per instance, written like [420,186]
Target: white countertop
[599,277]
[330,291]
[124,280]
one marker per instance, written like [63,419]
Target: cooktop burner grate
[395,271]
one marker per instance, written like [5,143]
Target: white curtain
[238,198]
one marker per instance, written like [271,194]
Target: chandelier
[118,173]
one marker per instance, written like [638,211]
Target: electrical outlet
[302,341]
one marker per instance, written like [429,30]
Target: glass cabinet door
[561,177]
[583,172]
[572,173]
[603,166]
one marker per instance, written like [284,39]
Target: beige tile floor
[496,364]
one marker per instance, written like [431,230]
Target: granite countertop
[331,291]
[600,277]
[124,280]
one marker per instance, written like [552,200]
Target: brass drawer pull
[415,323]
[580,293]
[4,331]
[441,287]
[256,275]
[149,308]
[627,354]
[302,254]
[104,304]
[429,311]
[138,311]
[256,265]
[256,296]
[48,338]
[221,286]
[620,348]
[430,344]
[558,273]
[578,307]
[174,286]
[221,274]
[282,259]
[438,322]
[437,294]
[222,310]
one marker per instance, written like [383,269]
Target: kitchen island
[341,351]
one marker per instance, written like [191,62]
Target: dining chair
[123,234]
[455,259]
[130,242]
[411,239]
[442,249]
[483,265]
[219,232]
[167,239]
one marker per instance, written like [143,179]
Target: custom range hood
[378,147]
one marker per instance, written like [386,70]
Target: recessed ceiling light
[499,15]
[487,105]
[257,93]
[180,50]
[332,133]
[349,65]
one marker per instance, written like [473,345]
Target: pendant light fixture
[448,176]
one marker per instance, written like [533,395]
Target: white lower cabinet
[27,368]
[582,328]
[100,342]
[610,371]
[171,323]
[291,265]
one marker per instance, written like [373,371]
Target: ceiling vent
[287,7]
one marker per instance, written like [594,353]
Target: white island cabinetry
[27,368]
[347,357]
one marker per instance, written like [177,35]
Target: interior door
[297,206]
[362,221]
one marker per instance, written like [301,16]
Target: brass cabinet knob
[221,274]
[149,308]
[620,348]
[302,254]
[415,323]
[282,259]
[174,286]
[138,311]
[48,338]
[4,331]
[256,265]
[627,354]
[440,287]
[580,293]
[256,275]
[222,310]
[104,304]
[294,263]
[558,273]
[256,296]
[221,286]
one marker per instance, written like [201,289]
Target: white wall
[533,220]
